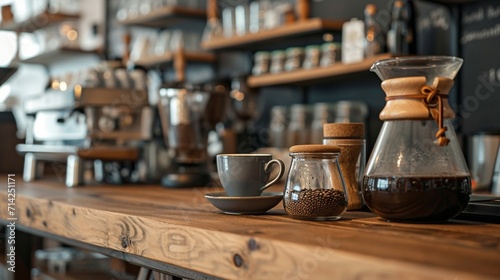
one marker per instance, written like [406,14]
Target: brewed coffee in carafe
[417,171]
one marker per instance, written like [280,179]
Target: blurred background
[266,66]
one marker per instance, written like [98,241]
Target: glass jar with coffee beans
[314,188]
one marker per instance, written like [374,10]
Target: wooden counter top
[181,228]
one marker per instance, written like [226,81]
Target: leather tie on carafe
[433,100]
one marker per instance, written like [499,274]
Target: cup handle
[280,173]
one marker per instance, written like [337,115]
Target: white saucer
[244,205]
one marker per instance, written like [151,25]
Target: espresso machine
[180,110]
[95,130]
[54,133]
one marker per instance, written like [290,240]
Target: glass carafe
[417,171]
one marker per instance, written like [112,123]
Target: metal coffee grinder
[180,111]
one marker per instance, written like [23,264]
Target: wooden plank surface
[180,227]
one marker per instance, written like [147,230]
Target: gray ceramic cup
[247,174]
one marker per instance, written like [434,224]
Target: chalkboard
[480,74]
[435,27]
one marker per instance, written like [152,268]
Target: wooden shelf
[310,26]
[37,22]
[58,55]
[166,16]
[99,97]
[168,57]
[313,75]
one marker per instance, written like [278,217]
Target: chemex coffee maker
[181,110]
[94,130]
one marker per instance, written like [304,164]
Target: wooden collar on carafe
[410,98]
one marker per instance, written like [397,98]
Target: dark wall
[10,161]
[480,75]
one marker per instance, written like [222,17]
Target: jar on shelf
[321,115]
[228,22]
[261,63]
[294,58]
[278,59]
[278,126]
[314,188]
[330,54]
[312,57]
[241,19]
[298,129]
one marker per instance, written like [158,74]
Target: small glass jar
[261,63]
[314,188]
[312,57]
[330,54]
[278,59]
[294,58]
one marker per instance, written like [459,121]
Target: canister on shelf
[254,17]
[297,131]
[228,22]
[278,59]
[261,63]
[278,126]
[321,115]
[349,137]
[330,54]
[353,37]
[241,14]
[294,58]
[312,57]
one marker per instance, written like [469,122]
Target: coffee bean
[310,203]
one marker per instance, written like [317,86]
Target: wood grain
[179,227]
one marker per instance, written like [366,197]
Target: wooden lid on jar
[344,130]
[314,148]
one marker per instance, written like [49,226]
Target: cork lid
[314,148]
[344,130]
